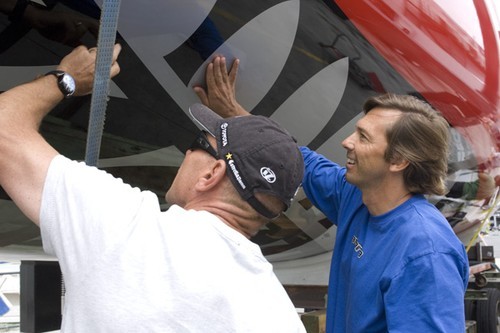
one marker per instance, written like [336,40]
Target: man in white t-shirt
[128,266]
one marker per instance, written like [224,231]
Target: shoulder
[321,172]
[423,230]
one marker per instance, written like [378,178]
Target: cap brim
[204,117]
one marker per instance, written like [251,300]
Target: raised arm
[220,95]
[24,154]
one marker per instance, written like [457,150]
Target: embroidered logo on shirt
[358,248]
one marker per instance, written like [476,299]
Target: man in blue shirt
[397,265]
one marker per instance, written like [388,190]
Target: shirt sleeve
[86,212]
[323,182]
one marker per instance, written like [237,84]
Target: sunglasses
[201,142]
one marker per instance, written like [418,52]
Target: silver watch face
[68,84]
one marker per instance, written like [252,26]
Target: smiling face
[366,147]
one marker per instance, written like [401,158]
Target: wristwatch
[65,82]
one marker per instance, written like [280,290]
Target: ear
[213,176]
[398,165]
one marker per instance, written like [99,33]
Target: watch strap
[56,72]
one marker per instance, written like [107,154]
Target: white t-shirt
[128,267]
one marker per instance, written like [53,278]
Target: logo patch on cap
[223,134]
[268,174]
[234,170]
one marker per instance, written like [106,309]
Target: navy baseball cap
[261,156]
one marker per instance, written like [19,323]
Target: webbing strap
[105,44]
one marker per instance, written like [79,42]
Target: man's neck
[239,219]
[382,201]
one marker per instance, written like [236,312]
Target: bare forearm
[26,105]
[24,155]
